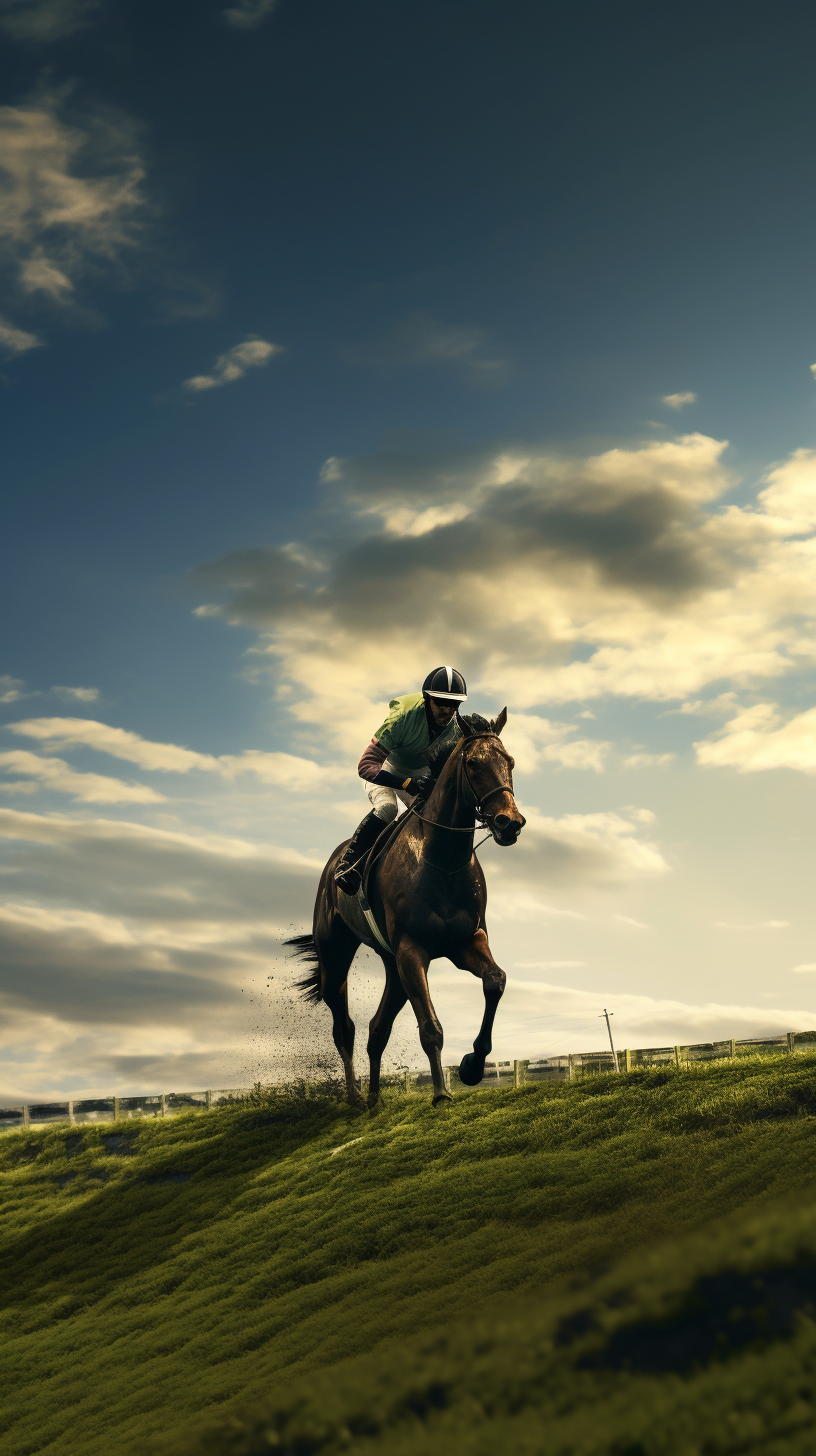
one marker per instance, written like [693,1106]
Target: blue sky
[340,341]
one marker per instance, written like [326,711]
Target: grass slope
[354,1269]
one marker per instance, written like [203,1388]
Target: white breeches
[384,800]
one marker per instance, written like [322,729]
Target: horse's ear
[498,723]
[464,726]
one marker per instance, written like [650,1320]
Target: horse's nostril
[503,821]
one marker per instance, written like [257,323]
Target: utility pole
[607,1014]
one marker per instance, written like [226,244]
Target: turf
[358,1277]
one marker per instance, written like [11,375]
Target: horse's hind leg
[336,946]
[477,958]
[394,998]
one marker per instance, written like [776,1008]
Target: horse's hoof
[471,1069]
[442,1097]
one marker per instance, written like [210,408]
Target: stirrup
[348,878]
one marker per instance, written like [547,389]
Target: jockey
[395,764]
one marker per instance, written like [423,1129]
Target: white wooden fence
[497,1074]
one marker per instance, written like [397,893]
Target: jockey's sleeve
[371,768]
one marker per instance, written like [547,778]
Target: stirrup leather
[348,878]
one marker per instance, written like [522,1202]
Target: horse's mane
[477,722]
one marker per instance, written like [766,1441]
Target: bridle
[483,819]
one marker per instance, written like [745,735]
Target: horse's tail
[305,950]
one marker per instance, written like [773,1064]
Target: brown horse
[427,895]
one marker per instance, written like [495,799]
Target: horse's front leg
[477,957]
[412,964]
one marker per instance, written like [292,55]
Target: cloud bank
[759,738]
[546,579]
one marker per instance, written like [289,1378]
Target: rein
[478,804]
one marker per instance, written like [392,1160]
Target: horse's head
[488,771]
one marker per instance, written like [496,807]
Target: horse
[426,898]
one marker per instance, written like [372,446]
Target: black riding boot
[364,836]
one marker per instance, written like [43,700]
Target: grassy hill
[625,1263]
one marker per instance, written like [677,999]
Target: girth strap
[372,924]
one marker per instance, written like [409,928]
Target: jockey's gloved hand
[421,787]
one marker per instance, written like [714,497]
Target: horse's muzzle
[506,830]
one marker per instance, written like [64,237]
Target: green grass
[417,1278]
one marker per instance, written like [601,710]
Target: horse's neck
[450,807]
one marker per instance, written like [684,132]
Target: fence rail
[497,1074]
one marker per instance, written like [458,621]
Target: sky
[341,341]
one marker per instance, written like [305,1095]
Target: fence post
[791,1041]
[571,1068]
[733,1051]
[447,1072]
[627,1060]
[677,1056]
[407,1080]
[163,1112]
[519,1074]
[208,1100]
[116,1102]
[26,1116]
[71,1118]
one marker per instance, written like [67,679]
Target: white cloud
[11,688]
[80,695]
[88,788]
[724,703]
[118,742]
[576,851]
[533,741]
[140,839]
[810,966]
[676,401]
[248,14]
[284,770]
[813,370]
[753,925]
[72,194]
[40,21]
[648,760]
[758,739]
[17,341]
[253,353]
[628,920]
[789,496]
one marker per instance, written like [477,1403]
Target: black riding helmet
[445,682]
